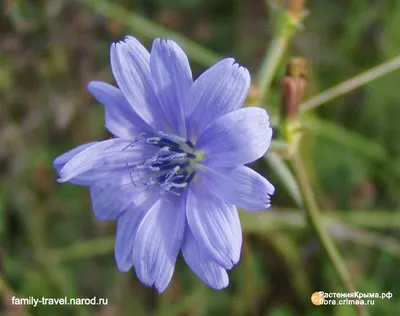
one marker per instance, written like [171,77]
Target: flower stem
[270,64]
[315,220]
[351,84]
[287,21]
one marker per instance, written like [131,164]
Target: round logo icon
[317,298]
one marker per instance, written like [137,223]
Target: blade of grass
[288,248]
[279,166]
[85,249]
[136,24]
[284,219]
[351,140]
[368,239]
[275,219]
[351,84]
[376,219]
[356,143]
[49,267]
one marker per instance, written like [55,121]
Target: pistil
[169,170]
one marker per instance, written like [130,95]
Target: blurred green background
[52,245]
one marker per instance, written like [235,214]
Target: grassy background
[52,245]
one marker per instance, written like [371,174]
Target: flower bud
[292,88]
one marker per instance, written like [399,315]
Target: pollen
[199,155]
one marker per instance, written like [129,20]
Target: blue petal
[239,186]
[158,241]
[121,119]
[130,63]
[112,154]
[91,177]
[207,270]
[215,225]
[86,178]
[61,160]
[236,138]
[172,79]
[114,194]
[127,227]
[220,90]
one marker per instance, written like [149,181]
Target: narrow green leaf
[143,27]
[349,139]
[279,166]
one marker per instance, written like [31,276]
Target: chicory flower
[174,173]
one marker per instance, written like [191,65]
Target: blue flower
[174,173]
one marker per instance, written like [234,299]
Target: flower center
[170,168]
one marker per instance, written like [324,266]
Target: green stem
[83,249]
[282,170]
[351,84]
[278,146]
[270,63]
[315,220]
[286,23]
